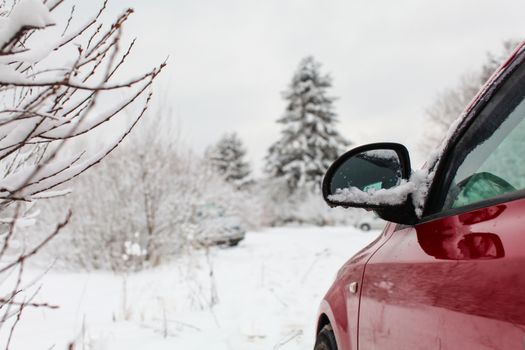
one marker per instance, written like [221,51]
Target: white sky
[230,59]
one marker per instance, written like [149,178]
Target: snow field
[263,294]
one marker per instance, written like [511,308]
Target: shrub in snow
[312,210]
[52,73]
[309,142]
[133,254]
[277,206]
[303,207]
[151,192]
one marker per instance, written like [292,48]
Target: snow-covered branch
[52,74]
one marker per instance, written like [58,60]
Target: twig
[23,257]
[11,331]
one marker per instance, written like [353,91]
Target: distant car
[370,222]
[448,271]
[217,227]
[221,231]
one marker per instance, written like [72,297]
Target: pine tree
[227,156]
[309,142]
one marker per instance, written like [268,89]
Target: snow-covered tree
[145,204]
[449,104]
[158,206]
[309,142]
[52,73]
[127,201]
[138,197]
[228,158]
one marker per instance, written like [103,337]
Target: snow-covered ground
[266,293]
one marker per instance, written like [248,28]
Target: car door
[457,279]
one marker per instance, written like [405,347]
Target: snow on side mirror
[373,176]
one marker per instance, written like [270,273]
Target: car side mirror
[374,176]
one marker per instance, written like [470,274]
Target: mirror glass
[369,170]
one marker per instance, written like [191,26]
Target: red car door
[452,283]
[457,279]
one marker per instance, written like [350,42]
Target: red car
[448,271]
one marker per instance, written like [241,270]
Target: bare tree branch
[46,102]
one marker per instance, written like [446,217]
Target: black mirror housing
[371,177]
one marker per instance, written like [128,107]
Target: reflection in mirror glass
[368,171]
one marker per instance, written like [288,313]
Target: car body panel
[417,292]
[427,289]
[339,304]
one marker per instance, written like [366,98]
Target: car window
[491,158]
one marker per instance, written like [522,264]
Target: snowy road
[265,294]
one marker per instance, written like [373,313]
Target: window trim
[446,169]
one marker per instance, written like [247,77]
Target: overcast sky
[231,59]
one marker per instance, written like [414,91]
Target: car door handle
[352,287]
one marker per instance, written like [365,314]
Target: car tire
[365,227]
[325,339]
[233,242]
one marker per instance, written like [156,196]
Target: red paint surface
[341,306]
[453,283]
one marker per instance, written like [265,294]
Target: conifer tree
[228,157]
[309,142]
